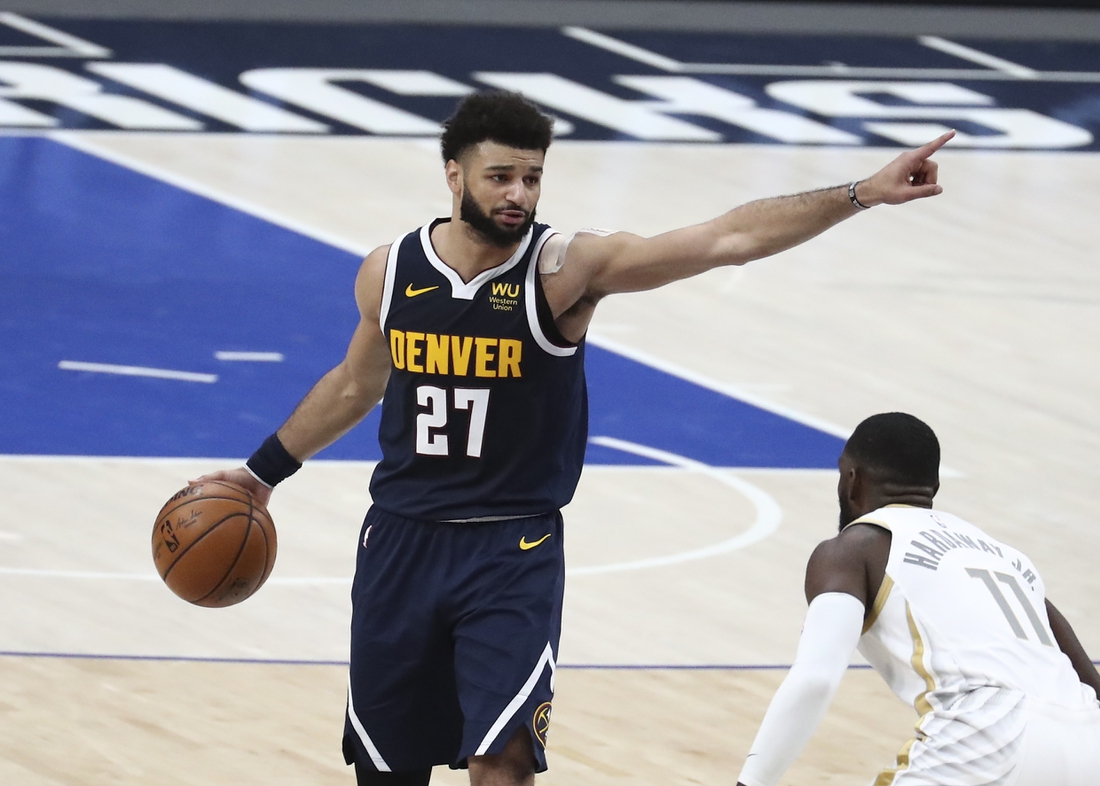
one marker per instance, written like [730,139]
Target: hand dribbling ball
[213,544]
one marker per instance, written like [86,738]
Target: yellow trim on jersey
[868,520]
[886,777]
[880,602]
[921,703]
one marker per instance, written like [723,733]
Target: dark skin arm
[1068,643]
[854,562]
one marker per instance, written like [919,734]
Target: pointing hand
[912,175]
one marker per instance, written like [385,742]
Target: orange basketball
[213,544]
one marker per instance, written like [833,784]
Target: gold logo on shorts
[526,545]
[541,722]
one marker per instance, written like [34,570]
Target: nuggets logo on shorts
[541,722]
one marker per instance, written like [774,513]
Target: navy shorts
[454,636]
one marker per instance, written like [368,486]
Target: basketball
[213,544]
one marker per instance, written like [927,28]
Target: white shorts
[994,737]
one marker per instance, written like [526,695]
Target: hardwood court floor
[124,723]
[977,311]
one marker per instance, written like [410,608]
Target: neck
[465,250]
[917,497]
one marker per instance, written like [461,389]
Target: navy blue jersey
[486,411]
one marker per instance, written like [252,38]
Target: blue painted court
[102,265]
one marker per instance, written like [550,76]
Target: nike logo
[525,546]
[410,292]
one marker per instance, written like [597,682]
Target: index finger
[926,150]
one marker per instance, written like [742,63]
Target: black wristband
[272,464]
[852,197]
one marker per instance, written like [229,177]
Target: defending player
[956,622]
[473,326]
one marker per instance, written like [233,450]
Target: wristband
[272,464]
[852,196]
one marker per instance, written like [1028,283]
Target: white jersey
[959,630]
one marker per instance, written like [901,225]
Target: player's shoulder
[371,279]
[374,263]
[378,255]
[853,562]
[850,546]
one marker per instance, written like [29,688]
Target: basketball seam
[191,545]
[236,559]
[267,546]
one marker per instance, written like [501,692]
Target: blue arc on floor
[101,264]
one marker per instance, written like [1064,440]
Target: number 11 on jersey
[1013,622]
[431,443]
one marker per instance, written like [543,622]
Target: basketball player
[955,621]
[473,327]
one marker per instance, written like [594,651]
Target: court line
[999,69]
[768,512]
[44,573]
[71,46]
[629,51]
[253,357]
[344,663]
[80,141]
[768,517]
[733,391]
[38,51]
[77,574]
[353,463]
[977,56]
[136,371]
[219,461]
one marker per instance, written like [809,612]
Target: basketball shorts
[454,636]
[994,736]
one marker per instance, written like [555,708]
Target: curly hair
[498,116]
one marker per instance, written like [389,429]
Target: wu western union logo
[505,297]
[429,353]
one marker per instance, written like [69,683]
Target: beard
[483,223]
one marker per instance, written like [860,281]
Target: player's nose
[517,194]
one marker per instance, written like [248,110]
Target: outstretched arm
[343,396]
[837,588]
[623,262]
[829,637]
[1068,643]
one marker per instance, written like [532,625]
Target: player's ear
[857,486]
[454,175]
